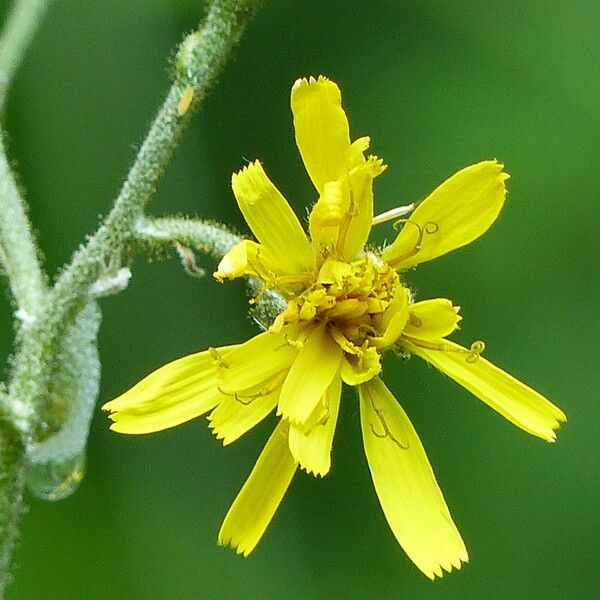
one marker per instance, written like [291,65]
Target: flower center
[351,298]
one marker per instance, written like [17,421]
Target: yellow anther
[349,297]
[344,343]
[344,308]
[375,305]
[307,312]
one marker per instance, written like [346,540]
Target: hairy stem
[210,238]
[18,253]
[12,483]
[201,56]
[32,423]
[19,259]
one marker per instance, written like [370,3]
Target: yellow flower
[346,304]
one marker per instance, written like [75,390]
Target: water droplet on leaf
[55,481]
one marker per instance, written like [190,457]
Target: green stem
[200,59]
[18,252]
[210,238]
[19,258]
[12,483]
[36,367]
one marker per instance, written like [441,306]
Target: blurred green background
[438,85]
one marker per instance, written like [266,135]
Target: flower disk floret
[345,305]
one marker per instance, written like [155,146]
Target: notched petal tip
[320,473]
[311,81]
[237,547]
[514,400]
[321,127]
[439,570]
[272,220]
[252,164]
[219,435]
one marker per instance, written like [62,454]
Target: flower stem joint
[345,306]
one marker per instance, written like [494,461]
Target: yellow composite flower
[346,305]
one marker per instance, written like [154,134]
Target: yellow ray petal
[393,320]
[405,484]
[432,319]
[512,399]
[257,361]
[327,214]
[248,258]
[359,183]
[177,392]
[456,213]
[341,218]
[310,443]
[322,131]
[236,415]
[358,368]
[255,505]
[272,220]
[309,376]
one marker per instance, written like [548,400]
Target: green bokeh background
[437,85]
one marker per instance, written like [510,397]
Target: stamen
[294,343]
[386,430]
[261,271]
[396,224]
[472,354]
[322,419]
[343,342]
[476,349]
[270,386]
[394,213]
[347,218]
[429,228]
[250,400]
[440,346]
